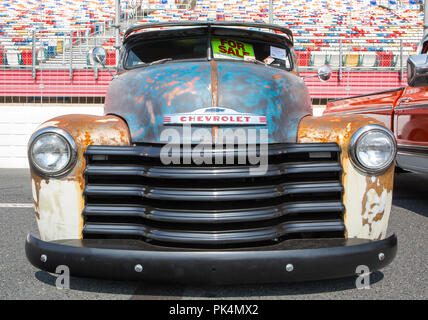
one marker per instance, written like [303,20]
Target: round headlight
[373,148]
[52,151]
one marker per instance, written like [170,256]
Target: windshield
[224,48]
[176,49]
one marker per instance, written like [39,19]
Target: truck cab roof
[150,44]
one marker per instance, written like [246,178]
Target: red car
[403,110]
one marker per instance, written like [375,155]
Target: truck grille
[129,193]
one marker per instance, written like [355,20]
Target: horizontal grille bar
[189,194]
[211,216]
[154,151]
[168,172]
[217,237]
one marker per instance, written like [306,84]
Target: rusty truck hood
[143,96]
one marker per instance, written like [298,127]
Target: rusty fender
[58,202]
[367,198]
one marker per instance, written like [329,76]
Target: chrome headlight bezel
[356,138]
[64,135]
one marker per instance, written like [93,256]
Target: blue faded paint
[280,95]
[144,95]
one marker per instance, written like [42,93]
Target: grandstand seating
[370,34]
[316,24]
[369,37]
[52,20]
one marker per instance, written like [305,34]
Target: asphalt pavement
[405,278]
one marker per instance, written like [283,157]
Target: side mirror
[324,73]
[99,55]
[417,70]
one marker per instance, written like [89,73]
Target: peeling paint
[35,188]
[60,206]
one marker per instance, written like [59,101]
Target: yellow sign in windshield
[232,49]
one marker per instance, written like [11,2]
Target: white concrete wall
[18,122]
[317,111]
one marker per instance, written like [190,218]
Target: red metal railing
[54,83]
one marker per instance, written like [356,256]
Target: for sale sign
[232,49]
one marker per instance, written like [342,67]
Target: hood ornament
[215,116]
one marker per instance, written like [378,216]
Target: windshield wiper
[264,63]
[160,61]
[258,61]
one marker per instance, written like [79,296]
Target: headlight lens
[373,148]
[52,151]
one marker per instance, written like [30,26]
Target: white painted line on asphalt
[16,205]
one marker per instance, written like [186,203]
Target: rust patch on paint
[386,181]
[37,186]
[214,94]
[168,84]
[138,132]
[190,88]
[337,129]
[379,185]
[139,99]
[214,83]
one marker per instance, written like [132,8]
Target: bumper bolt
[381,256]
[138,268]
[43,258]
[289,267]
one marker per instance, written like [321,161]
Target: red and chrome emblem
[215,116]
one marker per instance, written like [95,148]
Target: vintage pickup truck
[403,110]
[150,192]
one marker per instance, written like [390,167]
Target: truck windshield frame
[167,52]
